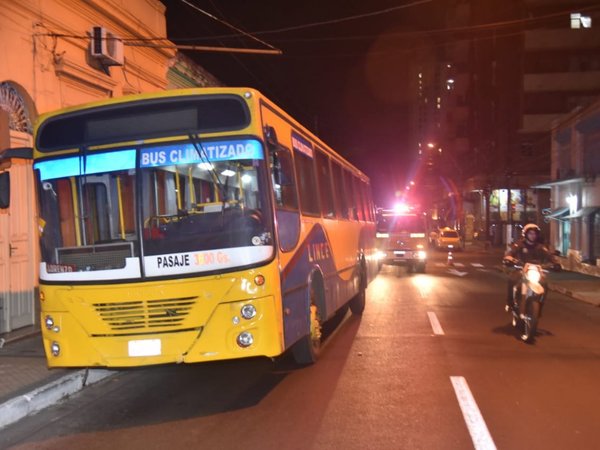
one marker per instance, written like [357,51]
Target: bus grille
[152,315]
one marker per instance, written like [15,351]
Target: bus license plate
[399,253]
[145,347]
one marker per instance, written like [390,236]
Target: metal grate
[154,315]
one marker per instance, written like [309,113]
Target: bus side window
[307,184]
[284,187]
[324,178]
[351,198]
[369,200]
[286,199]
[341,204]
[359,199]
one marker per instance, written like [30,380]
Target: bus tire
[306,350]
[357,303]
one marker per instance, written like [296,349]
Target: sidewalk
[579,286]
[27,385]
[576,285]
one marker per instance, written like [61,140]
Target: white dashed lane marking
[435,324]
[482,440]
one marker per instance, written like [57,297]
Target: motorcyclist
[529,248]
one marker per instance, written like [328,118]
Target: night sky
[346,81]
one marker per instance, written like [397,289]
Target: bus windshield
[154,211]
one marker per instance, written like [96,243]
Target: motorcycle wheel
[532,312]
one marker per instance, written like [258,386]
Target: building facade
[575,189]
[185,73]
[528,63]
[54,54]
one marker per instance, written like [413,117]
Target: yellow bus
[194,225]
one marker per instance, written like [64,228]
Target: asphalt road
[432,364]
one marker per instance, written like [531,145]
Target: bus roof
[106,134]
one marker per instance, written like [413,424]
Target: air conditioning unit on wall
[106,47]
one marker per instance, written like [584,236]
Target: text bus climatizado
[194,225]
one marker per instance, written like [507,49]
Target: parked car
[449,239]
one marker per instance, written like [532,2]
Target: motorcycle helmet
[532,227]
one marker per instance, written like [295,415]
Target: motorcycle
[527,306]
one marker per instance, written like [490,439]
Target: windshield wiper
[197,143]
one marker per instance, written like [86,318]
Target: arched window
[11,101]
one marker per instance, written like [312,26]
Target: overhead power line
[191,5]
[205,48]
[344,19]
[409,34]
[148,43]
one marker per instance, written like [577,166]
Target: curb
[24,405]
[570,293]
[562,290]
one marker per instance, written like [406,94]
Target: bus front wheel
[306,350]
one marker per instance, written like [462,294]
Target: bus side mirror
[276,168]
[272,146]
[4,190]
[271,137]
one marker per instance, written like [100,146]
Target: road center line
[435,323]
[482,440]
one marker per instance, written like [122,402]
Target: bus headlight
[49,322]
[422,254]
[245,339]
[248,311]
[55,348]
[379,255]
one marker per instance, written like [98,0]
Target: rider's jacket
[526,252]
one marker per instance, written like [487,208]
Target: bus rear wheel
[357,303]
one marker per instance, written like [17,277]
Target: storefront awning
[584,212]
[556,214]
[558,183]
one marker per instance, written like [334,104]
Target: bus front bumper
[225,335]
